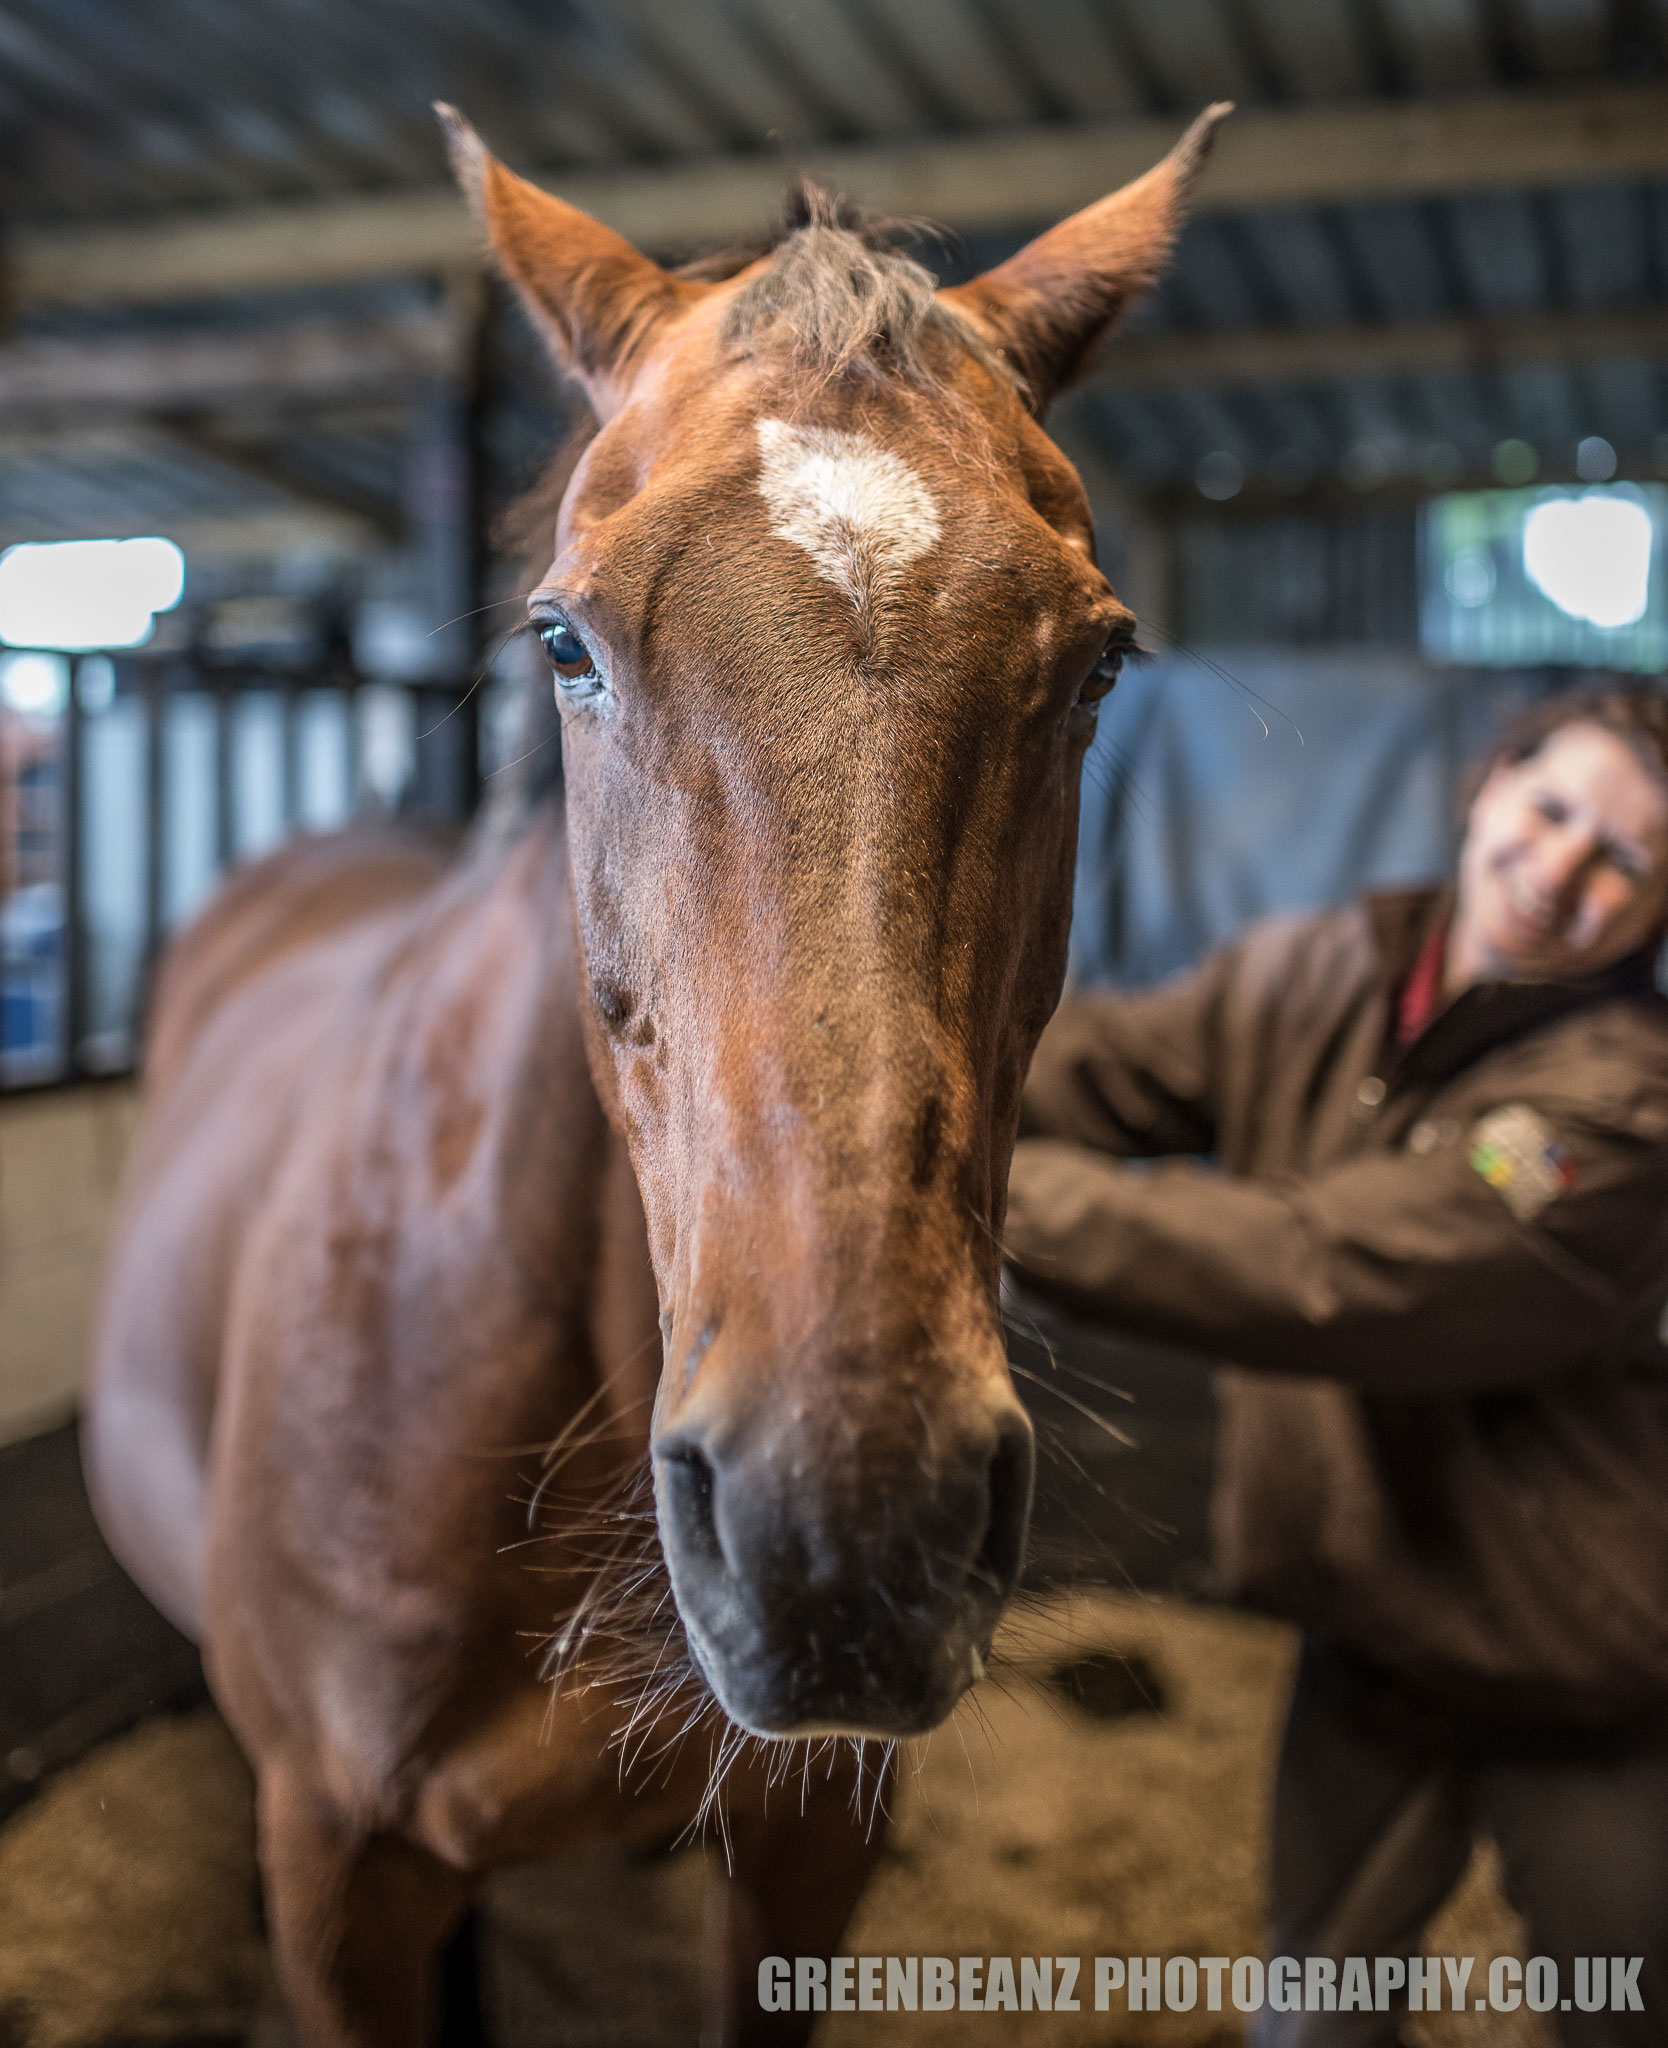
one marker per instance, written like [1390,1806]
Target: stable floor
[1103,1790]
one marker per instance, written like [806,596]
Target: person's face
[1564,869]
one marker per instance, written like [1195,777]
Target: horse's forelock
[837,304]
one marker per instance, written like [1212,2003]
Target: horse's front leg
[793,1881]
[357,1920]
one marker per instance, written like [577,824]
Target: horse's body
[365,1061]
[693,1094]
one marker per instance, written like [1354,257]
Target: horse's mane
[840,298]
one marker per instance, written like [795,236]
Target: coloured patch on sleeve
[1515,1151]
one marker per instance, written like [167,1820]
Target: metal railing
[154,776]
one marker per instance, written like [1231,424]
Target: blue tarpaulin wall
[1225,787]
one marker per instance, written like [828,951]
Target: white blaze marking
[858,511]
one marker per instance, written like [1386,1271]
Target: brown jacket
[1440,1272]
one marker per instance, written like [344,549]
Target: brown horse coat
[687,1106]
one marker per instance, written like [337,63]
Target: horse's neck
[518,1151]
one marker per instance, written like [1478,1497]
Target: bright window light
[1592,557]
[35,684]
[79,594]
[1548,577]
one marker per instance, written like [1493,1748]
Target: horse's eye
[1102,676]
[569,656]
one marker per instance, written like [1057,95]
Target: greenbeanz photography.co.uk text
[1183,1983]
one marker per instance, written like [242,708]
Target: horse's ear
[1046,308]
[596,300]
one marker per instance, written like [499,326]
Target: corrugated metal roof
[112,113]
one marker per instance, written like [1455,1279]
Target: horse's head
[828,639]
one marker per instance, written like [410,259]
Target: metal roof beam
[1269,156]
[314,361]
[41,381]
[1240,356]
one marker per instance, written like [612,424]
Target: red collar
[1421,995]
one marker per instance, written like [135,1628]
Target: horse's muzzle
[824,1593]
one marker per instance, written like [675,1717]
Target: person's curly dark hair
[1634,712]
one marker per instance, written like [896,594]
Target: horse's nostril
[1003,1549]
[688,1480]
[827,1605]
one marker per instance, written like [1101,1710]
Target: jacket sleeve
[1133,1074]
[1395,1272]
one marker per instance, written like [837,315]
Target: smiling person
[1434,1242]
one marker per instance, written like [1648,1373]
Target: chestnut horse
[693,1094]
